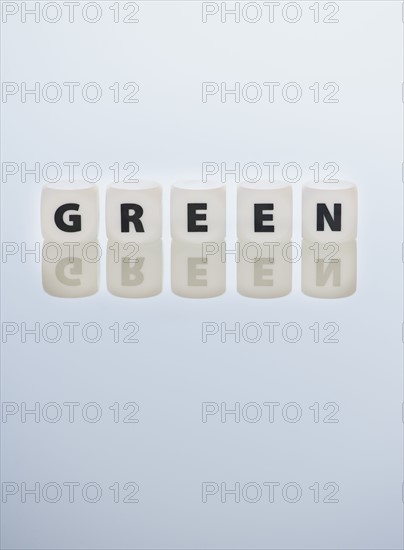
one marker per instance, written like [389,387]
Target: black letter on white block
[324,213]
[75,220]
[193,217]
[134,217]
[260,217]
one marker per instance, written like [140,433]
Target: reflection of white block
[134,271]
[70,270]
[133,212]
[264,271]
[195,274]
[69,211]
[328,269]
[264,211]
[329,212]
[198,212]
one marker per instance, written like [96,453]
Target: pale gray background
[170,452]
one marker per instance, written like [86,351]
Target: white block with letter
[134,212]
[69,211]
[198,212]
[329,212]
[264,211]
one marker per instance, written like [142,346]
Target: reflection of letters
[137,274]
[74,274]
[196,272]
[193,274]
[262,273]
[326,270]
[76,268]
[269,275]
[326,275]
[131,272]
